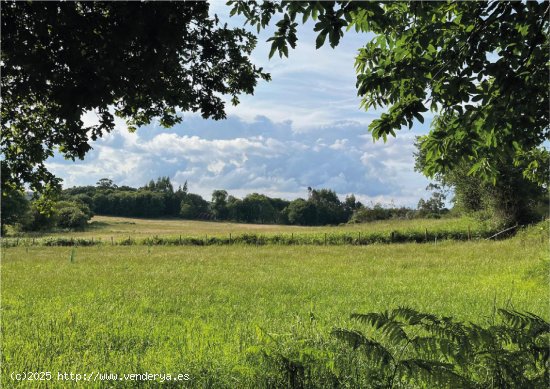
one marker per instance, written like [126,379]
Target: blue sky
[304,128]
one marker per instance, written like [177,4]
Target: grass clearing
[126,231]
[105,227]
[204,310]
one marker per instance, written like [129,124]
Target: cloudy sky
[304,128]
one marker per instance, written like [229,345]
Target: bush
[71,217]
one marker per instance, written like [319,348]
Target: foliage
[435,206]
[219,204]
[482,66]
[323,207]
[158,198]
[65,214]
[14,208]
[301,212]
[330,210]
[162,185]
[194,206]
[512,199]
[136,61]
[377,212]
[256,208]
[423,349]
[71,217]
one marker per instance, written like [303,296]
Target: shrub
[71,217]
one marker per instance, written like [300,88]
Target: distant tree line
[76,205]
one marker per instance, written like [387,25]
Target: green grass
[126,231]
[105,227]
[206,310]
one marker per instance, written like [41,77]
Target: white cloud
[283,164]
[304,128]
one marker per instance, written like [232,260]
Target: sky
[302,129]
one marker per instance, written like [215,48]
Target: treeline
[159,198]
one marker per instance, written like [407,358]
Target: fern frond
[481,337]
[441,348]
[438,374]
[384,322]
[455,332]
[536,325]
[376,352]
[413,317]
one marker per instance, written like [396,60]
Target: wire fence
[315,239]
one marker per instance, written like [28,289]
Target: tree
[14,208]
[329,208]
[302,212]
[162,185]
[193,206]
[235,208]
[482,66]
[257,208]
[71,217]
[351,204]
[512,199]
[106,183]
[137,61]
[219,204]
[434,207]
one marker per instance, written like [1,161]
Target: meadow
[211,312]
[129,231]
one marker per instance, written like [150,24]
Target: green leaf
[273,49]
[419,117]
[320,41]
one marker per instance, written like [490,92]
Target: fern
[377,353]
[425,350]
[405,348]
[434,373]
[385,322]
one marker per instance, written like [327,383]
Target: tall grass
[209,311]
[417,231]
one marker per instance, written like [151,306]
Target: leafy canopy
[481,66]
[138,61]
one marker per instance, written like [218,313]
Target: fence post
[180,239]
[292,238]
[469,234]
[230,238]
[112,241]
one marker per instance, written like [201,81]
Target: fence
[316,239]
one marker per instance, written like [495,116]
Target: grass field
[105,228]
[206,311]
